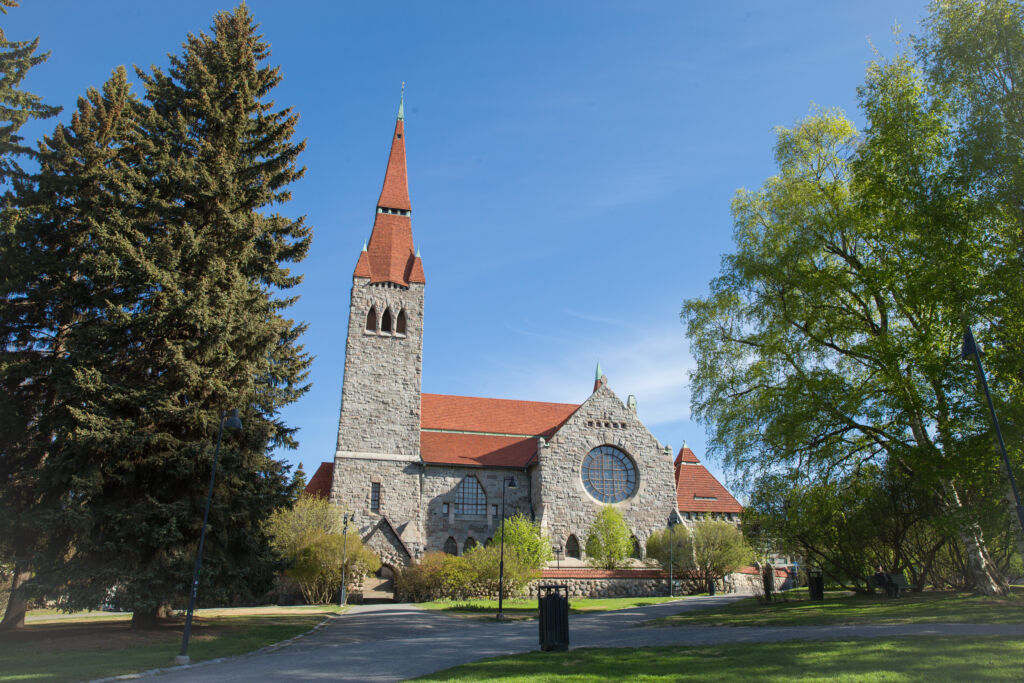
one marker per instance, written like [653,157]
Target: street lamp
[558,552]
[231,421]
[970,351]
[506,483]
[344,554]
[671,544]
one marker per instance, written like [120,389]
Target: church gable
[568,506]
[384,540]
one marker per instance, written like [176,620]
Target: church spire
[394,196]
[389,255]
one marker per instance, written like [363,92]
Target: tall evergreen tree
[17,106]
[196,328]
[57,230]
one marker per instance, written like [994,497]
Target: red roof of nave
[694,482]
[482,450]
[493,415]
[320,485]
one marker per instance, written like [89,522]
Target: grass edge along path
[794,609]
[87,649]
[912,658]
[520,608]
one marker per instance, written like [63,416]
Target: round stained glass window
[609,474]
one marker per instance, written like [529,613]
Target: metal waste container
[815,584]
[711,587]
[553,602]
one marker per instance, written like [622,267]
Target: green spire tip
[597,375]
[401,104]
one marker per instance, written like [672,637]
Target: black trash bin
[553,602]
[711,587]
[815,584]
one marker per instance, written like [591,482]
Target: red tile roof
[389,255]
[395,193]
[493,415]
[697,490]
[481,450]
[320,485]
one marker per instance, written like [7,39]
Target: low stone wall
[614,583]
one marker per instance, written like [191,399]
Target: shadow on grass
[920,658]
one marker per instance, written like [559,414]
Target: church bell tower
[380,402]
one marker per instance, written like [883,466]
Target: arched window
[572,546]
[385,322]
[470,498]
[469,544]
[451,547]
[488,542]
[400,323]
[637,553]
[371,319]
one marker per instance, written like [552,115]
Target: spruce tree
[196,327]
[57,230]
[17,106]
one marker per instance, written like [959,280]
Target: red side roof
[482,450]
[395,193]
[686,455]
[493,415]
[697,490]
[320,485]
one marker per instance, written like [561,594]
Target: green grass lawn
[898,659]
[83,648]
[528,608]
[846,608]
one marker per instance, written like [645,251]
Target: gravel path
[396,642]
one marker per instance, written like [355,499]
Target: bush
[609,542]
[309,538]
[439,576]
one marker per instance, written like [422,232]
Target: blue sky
[571,165]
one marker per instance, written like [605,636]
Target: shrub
[609,542]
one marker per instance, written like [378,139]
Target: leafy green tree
[311,540]
[718,549]
[524,540]
[674,544]
[609,542]
[831,337]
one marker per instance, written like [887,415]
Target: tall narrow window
[470,498]
[400,323]
[469,544]
[375,497]
[572,547]
[385,322]
[451,547]
[637,553]
[371,319]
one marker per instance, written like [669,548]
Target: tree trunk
[983,573]
[150,618]
[17,604]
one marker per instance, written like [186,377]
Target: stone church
[428,472]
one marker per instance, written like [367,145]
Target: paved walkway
[396,642]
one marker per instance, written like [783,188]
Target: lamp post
[558,560]
[970,351]
[231,422]
[506,483]
[344,555]
[671,544]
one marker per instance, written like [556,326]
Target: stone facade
[439,485]
[563,504]
[380,396]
